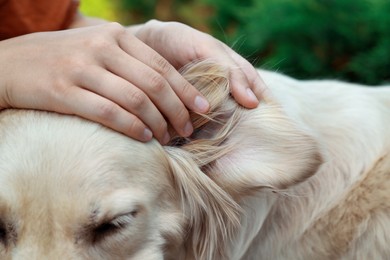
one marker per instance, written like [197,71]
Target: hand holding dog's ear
[103,73]
[106,74]
[181,44]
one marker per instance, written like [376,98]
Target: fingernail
[188,129]
[166,138]
[147,134]
[251,95]
[201,104]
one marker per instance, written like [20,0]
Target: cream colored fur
[306,175]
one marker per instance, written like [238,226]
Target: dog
[305,175]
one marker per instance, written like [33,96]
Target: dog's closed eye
[3,234]
[113,226]
[7,233]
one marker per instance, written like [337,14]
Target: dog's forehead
[48,154]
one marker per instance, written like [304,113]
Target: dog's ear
[265,151]
[211,213]
[246,150]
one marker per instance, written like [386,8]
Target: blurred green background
[338,39]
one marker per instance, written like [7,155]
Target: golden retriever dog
[306,175]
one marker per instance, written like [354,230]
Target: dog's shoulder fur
[305,175]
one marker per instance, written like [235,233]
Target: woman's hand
[103,73]
[180,44]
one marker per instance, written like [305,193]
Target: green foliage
[347,39]
[342,39]
[192,12]
[140,9]
[106,9]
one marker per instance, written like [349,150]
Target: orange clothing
[18,17]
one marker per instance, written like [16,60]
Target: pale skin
[123,78]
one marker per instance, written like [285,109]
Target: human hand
[102,73]
[180,44]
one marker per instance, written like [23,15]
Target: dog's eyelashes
[7,233]
[113,226]
[104,230]
[3,234]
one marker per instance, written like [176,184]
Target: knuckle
[60,91]
[74,63]
[106,110]
[115,27]
[182,116]
[100,43]
[77,68]
[157,83]
[186,89]
[135,128]
[104,39]
[137,99]
[162,65]
[162,127]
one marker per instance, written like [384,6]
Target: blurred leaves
[342,39]
[311,39]
[105,9]
[192,12]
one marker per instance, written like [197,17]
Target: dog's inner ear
[244,149]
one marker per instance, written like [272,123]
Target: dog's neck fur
[348,129]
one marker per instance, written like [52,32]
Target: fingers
[183,44]
[91,106]
[188,94]
[256,89]
[243,94]
[151,88]
[128,97]
[155,88]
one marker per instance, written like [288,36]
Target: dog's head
[75,189]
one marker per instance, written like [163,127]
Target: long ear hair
[245,150]
[212,129]
[212,215]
